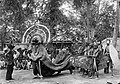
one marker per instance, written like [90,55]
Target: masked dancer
[37,50]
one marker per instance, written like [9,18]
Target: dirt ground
[26,77]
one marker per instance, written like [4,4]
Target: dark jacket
[10,58]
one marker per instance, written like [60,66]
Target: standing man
[10,62]
[109,62]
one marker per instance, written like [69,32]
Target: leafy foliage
[107,23]
[92,19]
[54,15]
[13,14]
[80,3]
[18,13]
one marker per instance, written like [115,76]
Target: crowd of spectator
[19,65]
[23,64]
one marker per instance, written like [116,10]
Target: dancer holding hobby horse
[35,53]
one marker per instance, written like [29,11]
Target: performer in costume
[39,54]
[92,59]
[99,54]
[10,61]
[37,51]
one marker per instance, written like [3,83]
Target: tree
[97,21]
[88,11]
[54,17]
[13,15]
[116,29]
[107,22]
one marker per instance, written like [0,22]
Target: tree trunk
[88,22]
[116,29]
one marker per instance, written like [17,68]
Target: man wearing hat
[10,61]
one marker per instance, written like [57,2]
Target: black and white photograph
[59,41]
